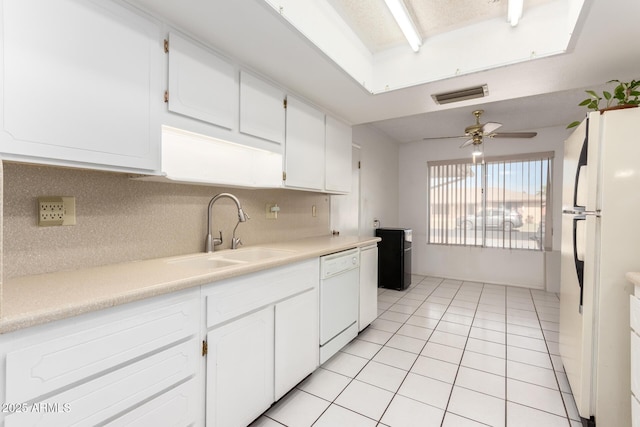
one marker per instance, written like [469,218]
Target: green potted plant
[625,94]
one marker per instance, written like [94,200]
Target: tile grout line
[459,290]
[351,379]
[555,374]
[506,356]
[424,345]
[463,350]
[333,402]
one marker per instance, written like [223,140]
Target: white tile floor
[442,353]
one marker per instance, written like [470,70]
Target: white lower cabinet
[634,317]
[240,370]
[368,286]
[262,340]
[141,363]
[296,340]
[104,366]
[173,408]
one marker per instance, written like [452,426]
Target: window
[501,202]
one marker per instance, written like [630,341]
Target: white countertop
[634,277]
[38,299]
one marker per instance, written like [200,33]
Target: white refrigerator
[600,243]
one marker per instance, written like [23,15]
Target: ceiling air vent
[461,95]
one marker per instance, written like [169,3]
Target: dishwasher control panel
[339,262]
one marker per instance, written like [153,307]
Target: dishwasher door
[338,304]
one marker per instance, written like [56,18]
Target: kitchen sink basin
[208,262]
[228,258]
[252,254]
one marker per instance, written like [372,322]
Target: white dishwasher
[339,301]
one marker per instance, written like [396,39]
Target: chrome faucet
[210,242]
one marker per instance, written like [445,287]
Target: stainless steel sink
[252,254]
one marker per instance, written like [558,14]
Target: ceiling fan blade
[490,127]
[514,135]
[445,137]
[467,143]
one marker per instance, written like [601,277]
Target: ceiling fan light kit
[477,131]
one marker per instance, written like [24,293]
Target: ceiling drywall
[528,95]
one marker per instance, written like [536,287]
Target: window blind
[500,202]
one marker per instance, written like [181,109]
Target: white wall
[513,267]
[378,178]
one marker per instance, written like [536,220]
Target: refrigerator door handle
[582,161]
[579,211]
[578,262]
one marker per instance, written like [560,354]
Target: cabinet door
[81,82]
[240,370]
[338,156]
[201,84]
[296,340]
[261,109]
[368,286]
[304,150]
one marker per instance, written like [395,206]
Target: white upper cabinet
[304,151]
[201,84]
[262,111]
[80,83]
[338,156]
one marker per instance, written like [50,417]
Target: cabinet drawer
[61,354]
[635,364]
[95,401]
[176,407]
[235,297]
[634,313]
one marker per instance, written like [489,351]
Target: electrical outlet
[56,211]
[69,211]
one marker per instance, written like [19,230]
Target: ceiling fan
[476,132]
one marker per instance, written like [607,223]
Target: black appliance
[394,258]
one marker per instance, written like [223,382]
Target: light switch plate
[269,213]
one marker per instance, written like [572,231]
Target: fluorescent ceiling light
[514,11]
[402,17]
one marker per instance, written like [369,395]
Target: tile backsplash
[120,219]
